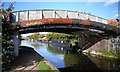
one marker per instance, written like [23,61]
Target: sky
[101,9]
[107,9]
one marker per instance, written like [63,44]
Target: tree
[41,36]
[7,42]
[49,36]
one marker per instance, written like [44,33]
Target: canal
[64,59]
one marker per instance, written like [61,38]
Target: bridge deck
[63,17]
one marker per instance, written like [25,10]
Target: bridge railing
[41,14]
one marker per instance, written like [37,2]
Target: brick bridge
[94,32]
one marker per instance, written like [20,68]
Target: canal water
[64,59]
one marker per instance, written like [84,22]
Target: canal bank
[109,55]
[30,60]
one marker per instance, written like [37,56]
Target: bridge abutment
[115,44]
[96,42]
[107,45]
[15,36]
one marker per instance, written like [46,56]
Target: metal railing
[40,14]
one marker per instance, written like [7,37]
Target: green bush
[7,42]
[110,53]
[89,51]
[61,36]
[96,51]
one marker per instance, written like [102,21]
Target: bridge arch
[89,28]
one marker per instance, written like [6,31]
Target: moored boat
[62,43]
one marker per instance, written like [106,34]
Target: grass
[111,53]
[107,55]
[43,66]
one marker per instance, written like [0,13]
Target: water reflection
[105,64]
[54,50]
[36,45]
[63,59]
[80,63]
[70,59]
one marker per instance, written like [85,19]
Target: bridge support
[96,42]
[86,39]
[15,37]
[87,42]
[115,44]
[106,45]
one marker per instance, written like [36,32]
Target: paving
[29,60]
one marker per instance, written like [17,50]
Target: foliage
[110,54]
[41,36]
[7,42]
[50,35]
[55,36]
[106,55]
[62,36]
[96,51]
[35,36]
[73,41]
[89,51]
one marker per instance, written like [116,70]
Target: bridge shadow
[78,63]
[27,60]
